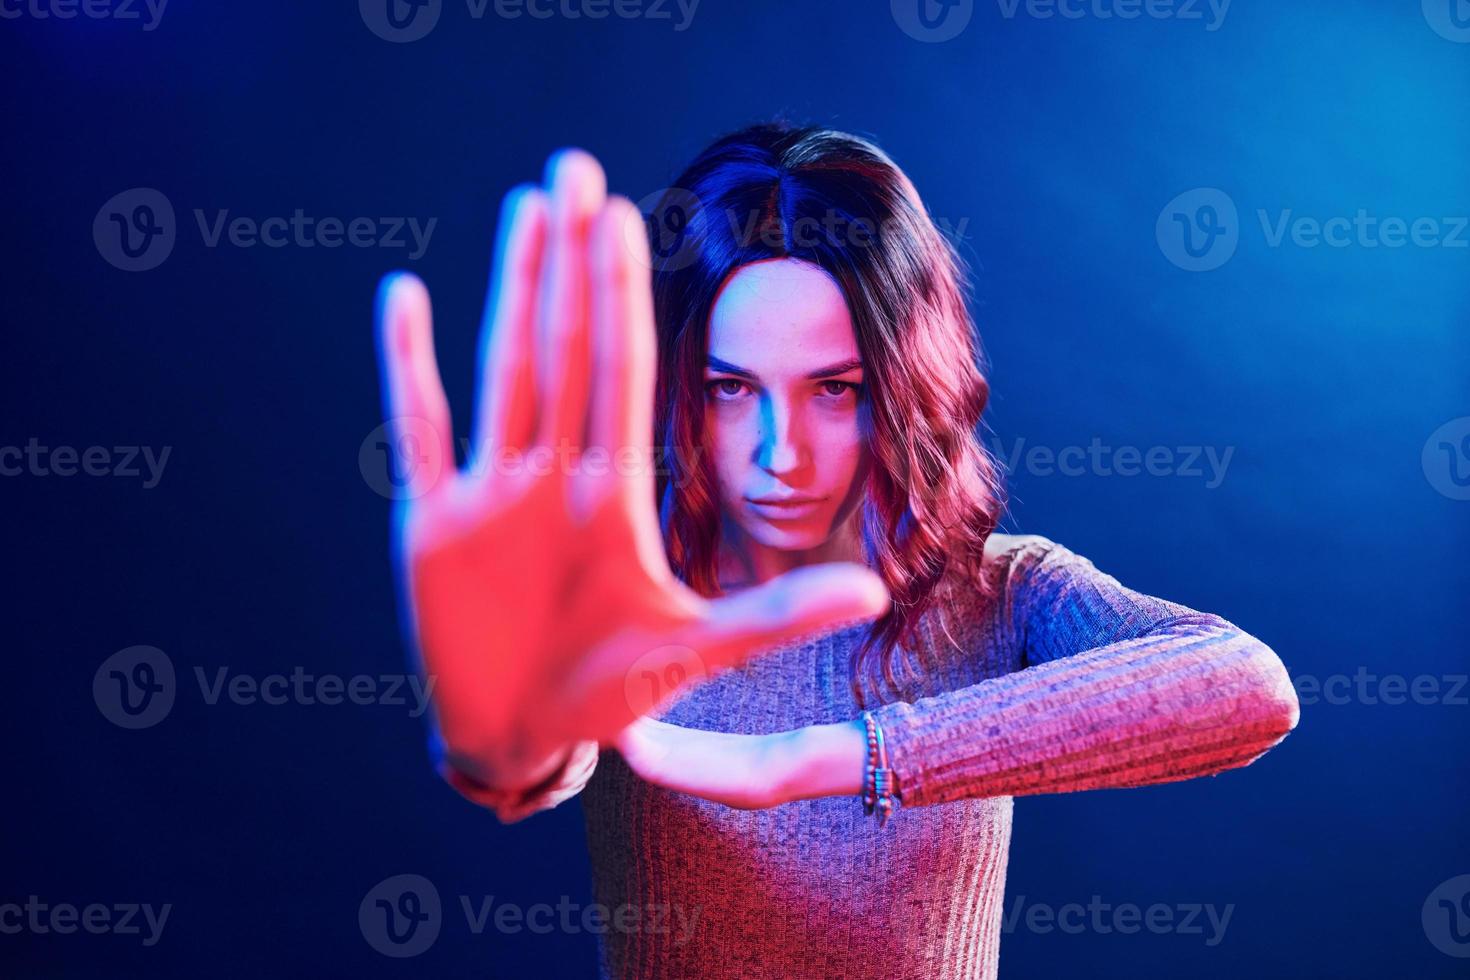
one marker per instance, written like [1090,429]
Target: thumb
[803,601]
[644,744]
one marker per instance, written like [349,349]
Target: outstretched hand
[535,582]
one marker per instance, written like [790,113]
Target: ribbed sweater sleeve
[512,806]
[1117,689]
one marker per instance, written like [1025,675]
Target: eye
[716,389]
[841,388]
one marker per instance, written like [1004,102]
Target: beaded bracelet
[879,781]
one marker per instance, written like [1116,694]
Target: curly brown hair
[935,493]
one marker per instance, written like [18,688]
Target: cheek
[841,450]
[731,446]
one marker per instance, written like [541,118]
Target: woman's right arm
[534,586]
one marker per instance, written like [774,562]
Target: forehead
[781,316]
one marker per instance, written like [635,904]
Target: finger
[661,753]
[643,745]
[420,435]
[578,190]
[624,365]
[506,416]
[624,346]
[801,602]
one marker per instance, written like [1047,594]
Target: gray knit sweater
[1067,680]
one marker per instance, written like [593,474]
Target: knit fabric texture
[1063,680]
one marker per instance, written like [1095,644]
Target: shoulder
[1018,569]
[989,611]
[1034,564]
[1009,565]
[1004,554]
[1009,553]
[1005,546]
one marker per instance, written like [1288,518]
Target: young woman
[799,352]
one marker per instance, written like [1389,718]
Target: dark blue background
[1057,142]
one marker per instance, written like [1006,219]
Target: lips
[787,508]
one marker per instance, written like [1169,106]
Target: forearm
[1153,709]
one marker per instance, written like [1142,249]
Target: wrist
[546,764]
[828,760]
[513,762]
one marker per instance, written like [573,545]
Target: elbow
[1275,708]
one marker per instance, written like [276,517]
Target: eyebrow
[841,367]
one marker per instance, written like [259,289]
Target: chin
[794,537]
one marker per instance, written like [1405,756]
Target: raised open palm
[535,582]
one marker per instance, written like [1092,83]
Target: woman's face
[781,404]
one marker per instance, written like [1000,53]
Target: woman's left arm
[1119,689]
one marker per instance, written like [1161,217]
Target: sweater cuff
[898,721]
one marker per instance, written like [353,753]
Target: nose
[781,445]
